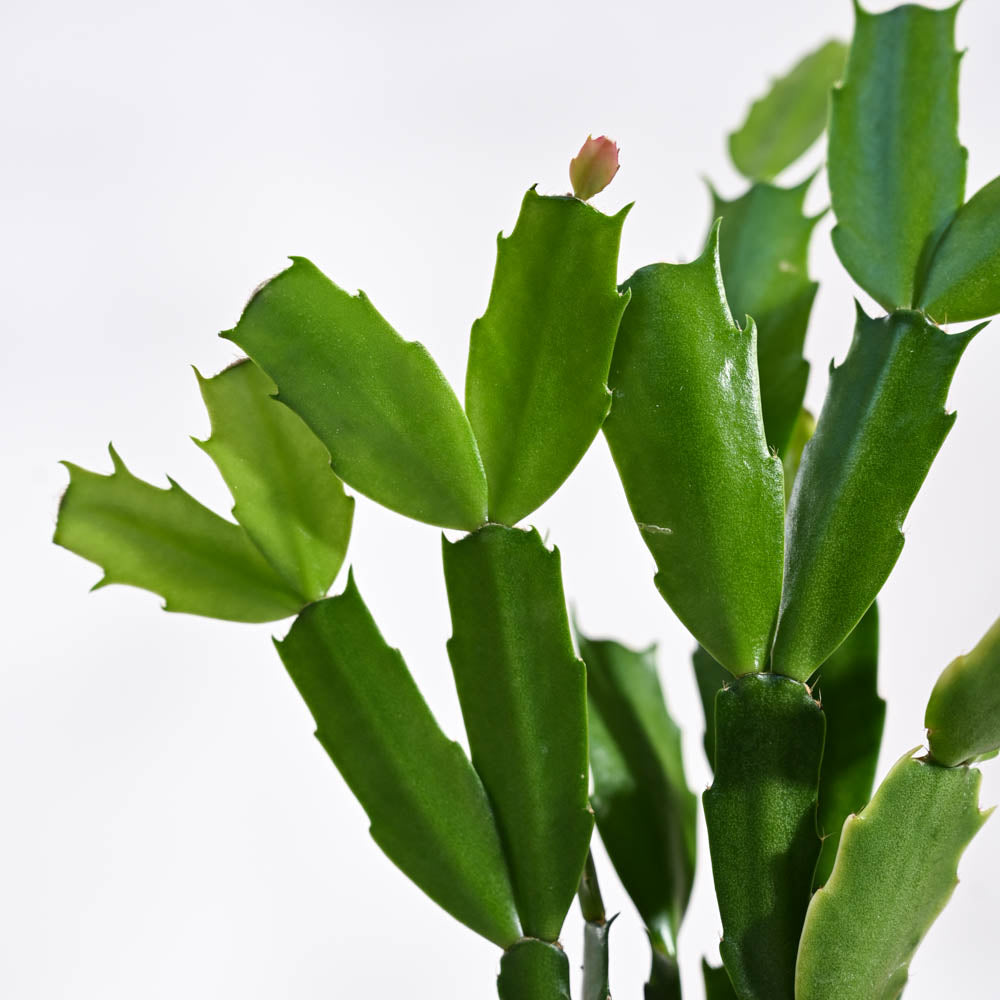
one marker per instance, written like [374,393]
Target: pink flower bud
[593,168]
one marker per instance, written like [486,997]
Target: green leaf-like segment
[429,812]
[392,424]
[847,687]
[534,970]
[761,817]
[167,542]
[711,677]
[596,934]
[790,117]
[805,427]
[963,714]
[897,170]
[536,387]
[646,814]
[882,423]
[963,279]
[686,433]
[895,871]
[764,253]
[717,983]
[523,696]
[288,498]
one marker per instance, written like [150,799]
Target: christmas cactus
[772,533]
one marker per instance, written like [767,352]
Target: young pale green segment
[392,424]
[428,810]
[805,427]
[288,499]
[895,871]
[896,167]
[847,688]
[645,812]
[790,117]
[536,386]
[163,540]
[534,970]
[523,696]
[761,818]
[717,984]
[763,252]
[686,434]
[963,278]
[595,960]
[963,714]
[882,423]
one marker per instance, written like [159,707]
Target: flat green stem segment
[167,542]
[711,677]
[536,388]
[394,428]
[664,978]
[963,714]
[895,871]
[686,433]
[963,279]
[897,170]
[882,423]
[288,499]
[847,687]
[764,253]
[533,970]
[595,960]
[523,696]
[646,813]
[761,817]
[717,983]
[790,117]
[428,809]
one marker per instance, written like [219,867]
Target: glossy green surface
[895,870]
[847,688]
[963,279]
[896,168]
[428,809]
[882,423]
[393,426]
[686,434]
[524,700]
[963,714]
[764,251]
[533,970]
[717,984]
[536,387]
[761,818]
[288,498]
[710,676]
[646,814]
[167,542]
[790,117]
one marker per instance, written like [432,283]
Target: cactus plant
[772,533]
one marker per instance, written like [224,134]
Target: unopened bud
[594,167]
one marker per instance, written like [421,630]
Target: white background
[170,828]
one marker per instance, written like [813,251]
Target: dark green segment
[711,676]
[686,434]
[895,871]
[761,817]
[392,424]
[533,970]
[645,812]
[963,280]
[717,983]
[882,423]
[664,978]
[847,688]
[963,714]
[288,499]
[790,117]
[764,250]
[428,809]
[167,542]
[523,696]
[536,387]
[896,168]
